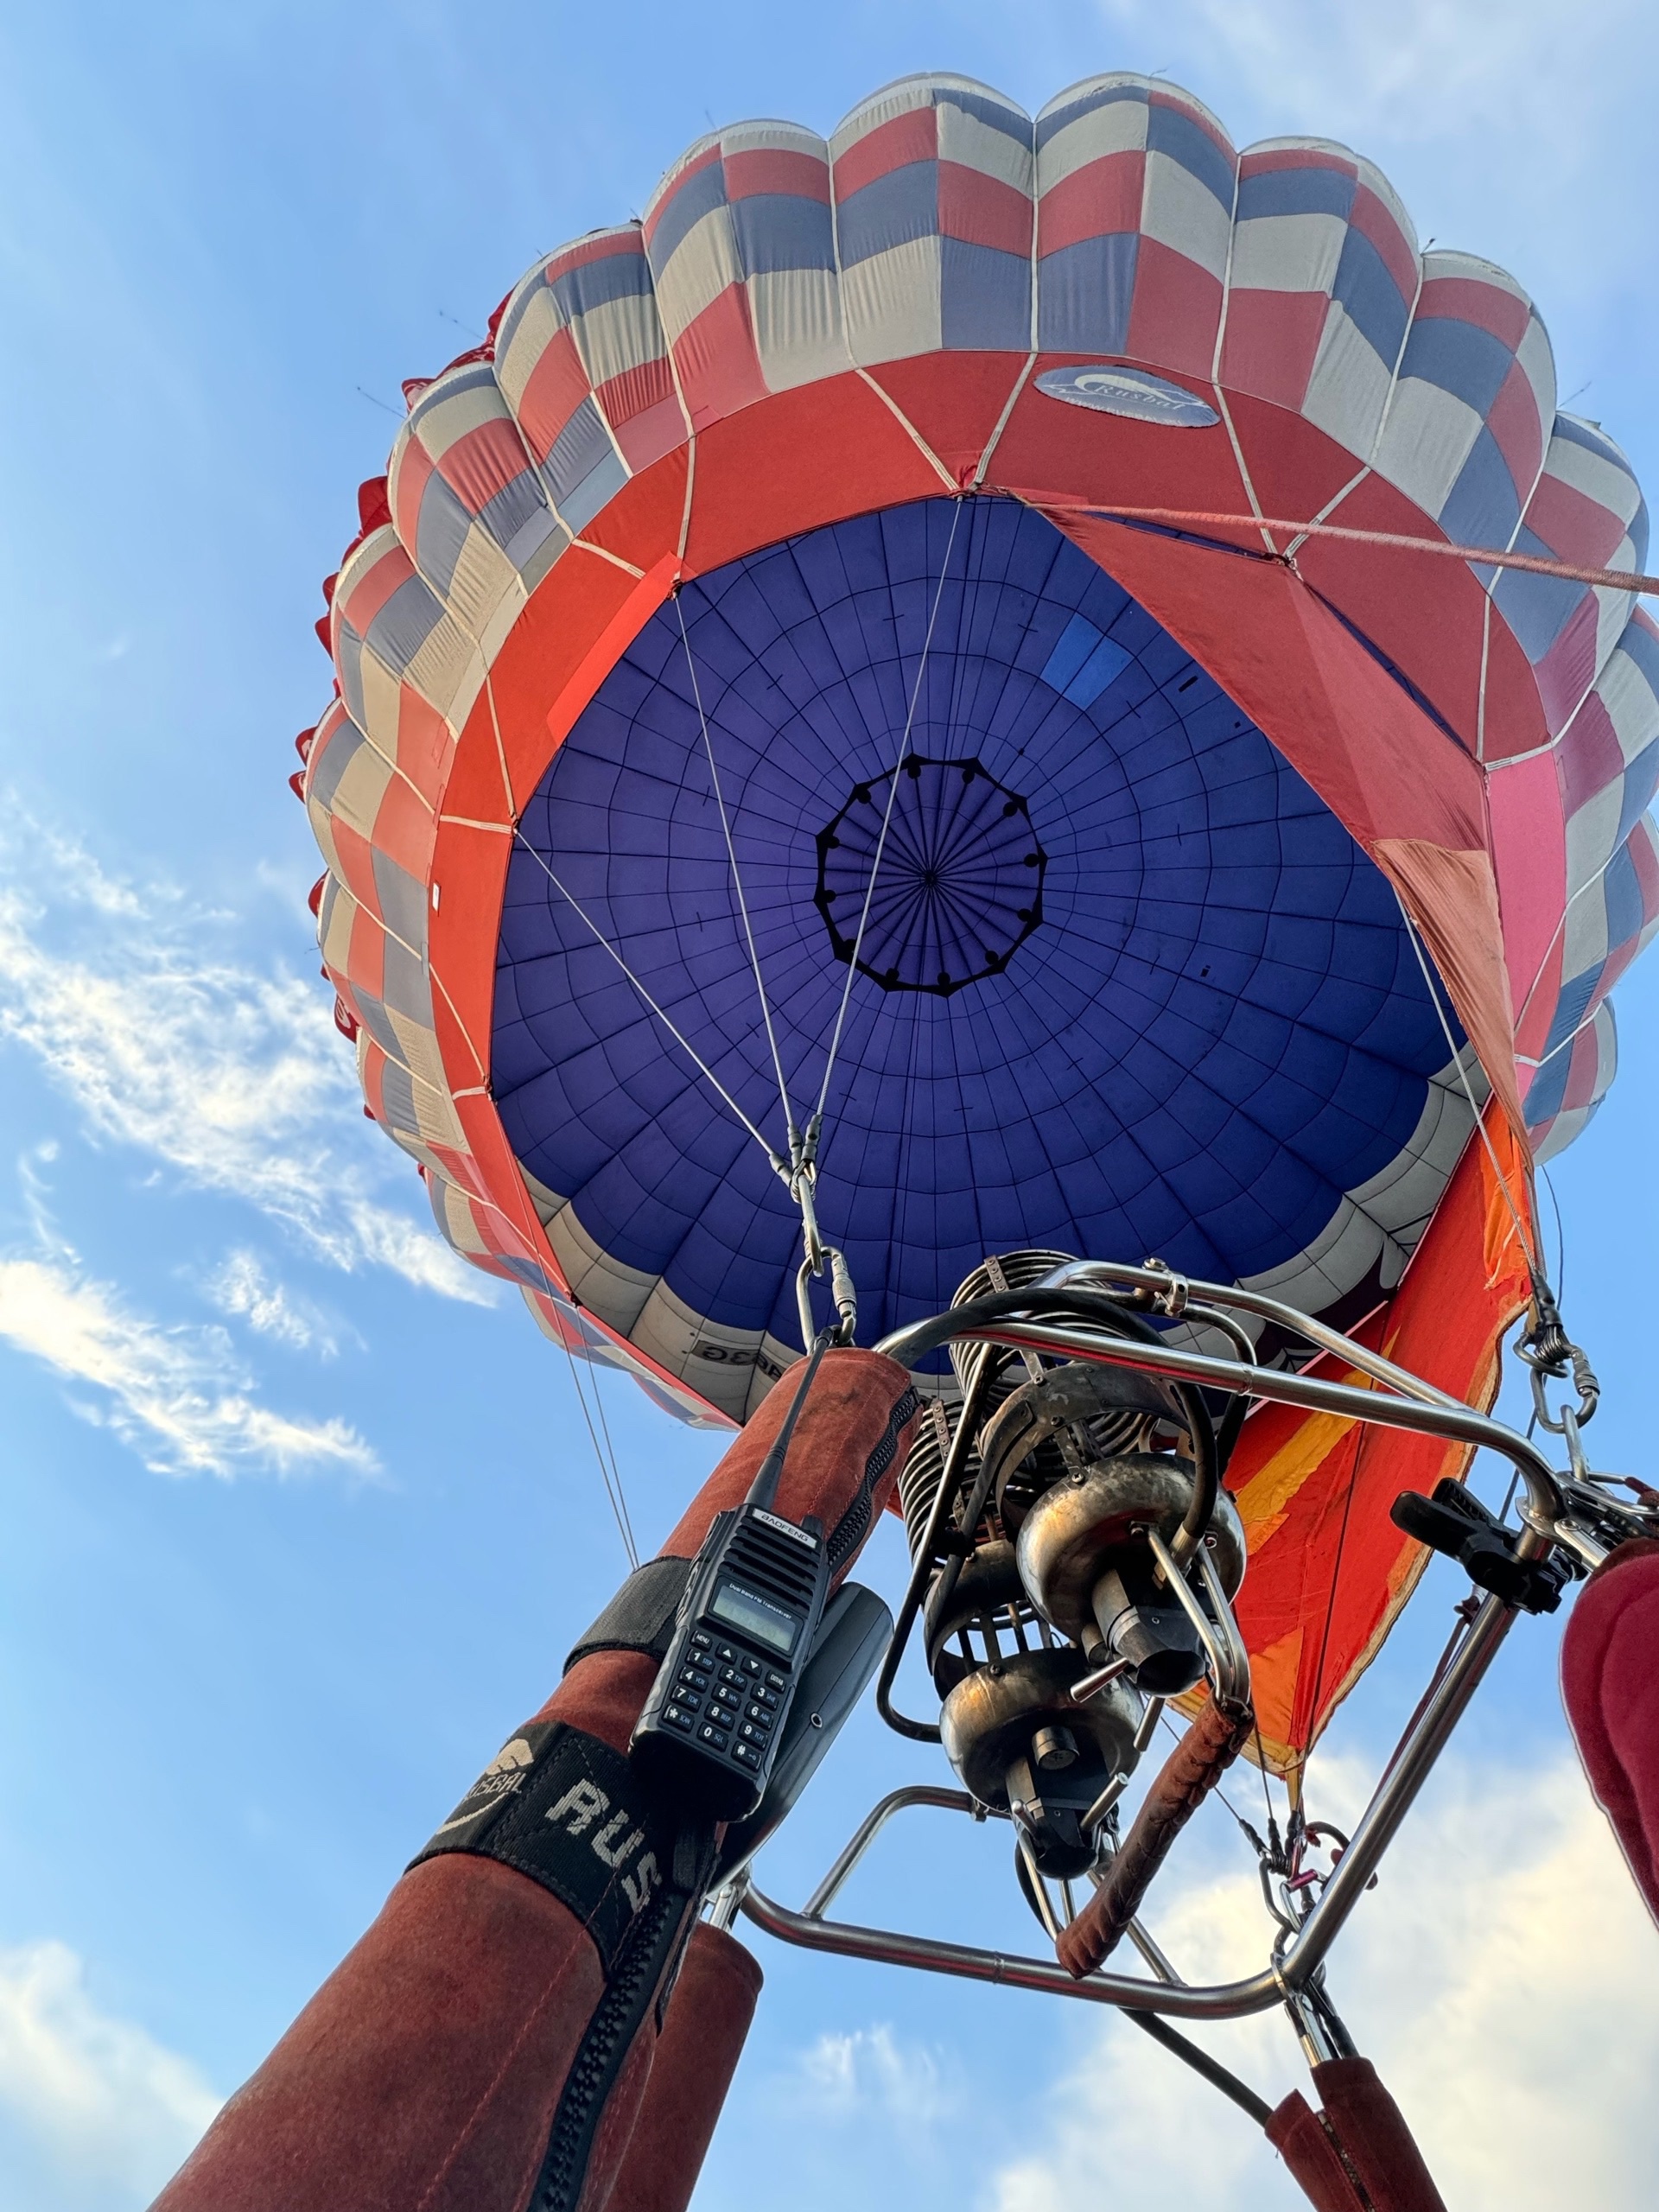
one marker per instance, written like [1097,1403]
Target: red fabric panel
[983,210]
[1568,669]
[1610,1684]
[1573,525]
[557,387]
[483,461]
[691,2069]
[1529,846]
[1513,421]
[1329,1571]
[1052,453]
[800,459]
[1177,310]
[642,522]
[955,401]
[912,137]
[1101,199]
[720,369]
[1271,343]
[775,169]
[1488,307]
[473,864]
[1296,468]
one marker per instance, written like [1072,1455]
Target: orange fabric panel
[1329,1571]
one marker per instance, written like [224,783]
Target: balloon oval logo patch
[1112,390]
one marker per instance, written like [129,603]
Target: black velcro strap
[640,1617]
[570,1811]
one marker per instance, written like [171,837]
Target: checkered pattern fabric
[939,221]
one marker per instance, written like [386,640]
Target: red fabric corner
[1609,1685]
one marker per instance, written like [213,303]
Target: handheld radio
[712,1724]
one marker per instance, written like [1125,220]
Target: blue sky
[300,1516]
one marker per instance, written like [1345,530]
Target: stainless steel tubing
[1107,1274]
[1231,2001]
[1226,2001]
[1440,1416]
[896,1801]
[1396,1791]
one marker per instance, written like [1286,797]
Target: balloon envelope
[900,497]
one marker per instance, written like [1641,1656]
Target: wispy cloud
[105,2102]
[243,1286]
[1502,1970]
[176,1396]
[872,2070]
[234,1078]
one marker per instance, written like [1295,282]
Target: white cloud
[1502,1970]
[242,1287]
[870,2070]
[236,1080]
[176,1395]
[103,2100]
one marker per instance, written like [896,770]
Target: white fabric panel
[1118,128]
[618,335]
[699,269]
[1348,388]
[977,145]
[1179,212]
[1288,253]
[891,303]
[1426,439]
[798,327]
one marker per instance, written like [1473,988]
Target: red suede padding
[1298,2134]
[424,2072]
[424,2075]
[691,2069]
[1374,2138]
[1609,1685]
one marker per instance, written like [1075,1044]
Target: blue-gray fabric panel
[1468,362]
[403,900]
[896,208]
[985,298]
[1366,287]
[699,195]
[779,231]
[1084,293]
[1295,192]
[1484,506]
[440,533]
[620,275]
[408,617]
[1169,131]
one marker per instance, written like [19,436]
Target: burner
[961,880]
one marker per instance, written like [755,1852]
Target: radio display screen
[755,1615]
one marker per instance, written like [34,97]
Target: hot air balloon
[1024,743]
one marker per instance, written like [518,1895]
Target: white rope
[700,1065]
[737,879]
[609,1473]
[880,843]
